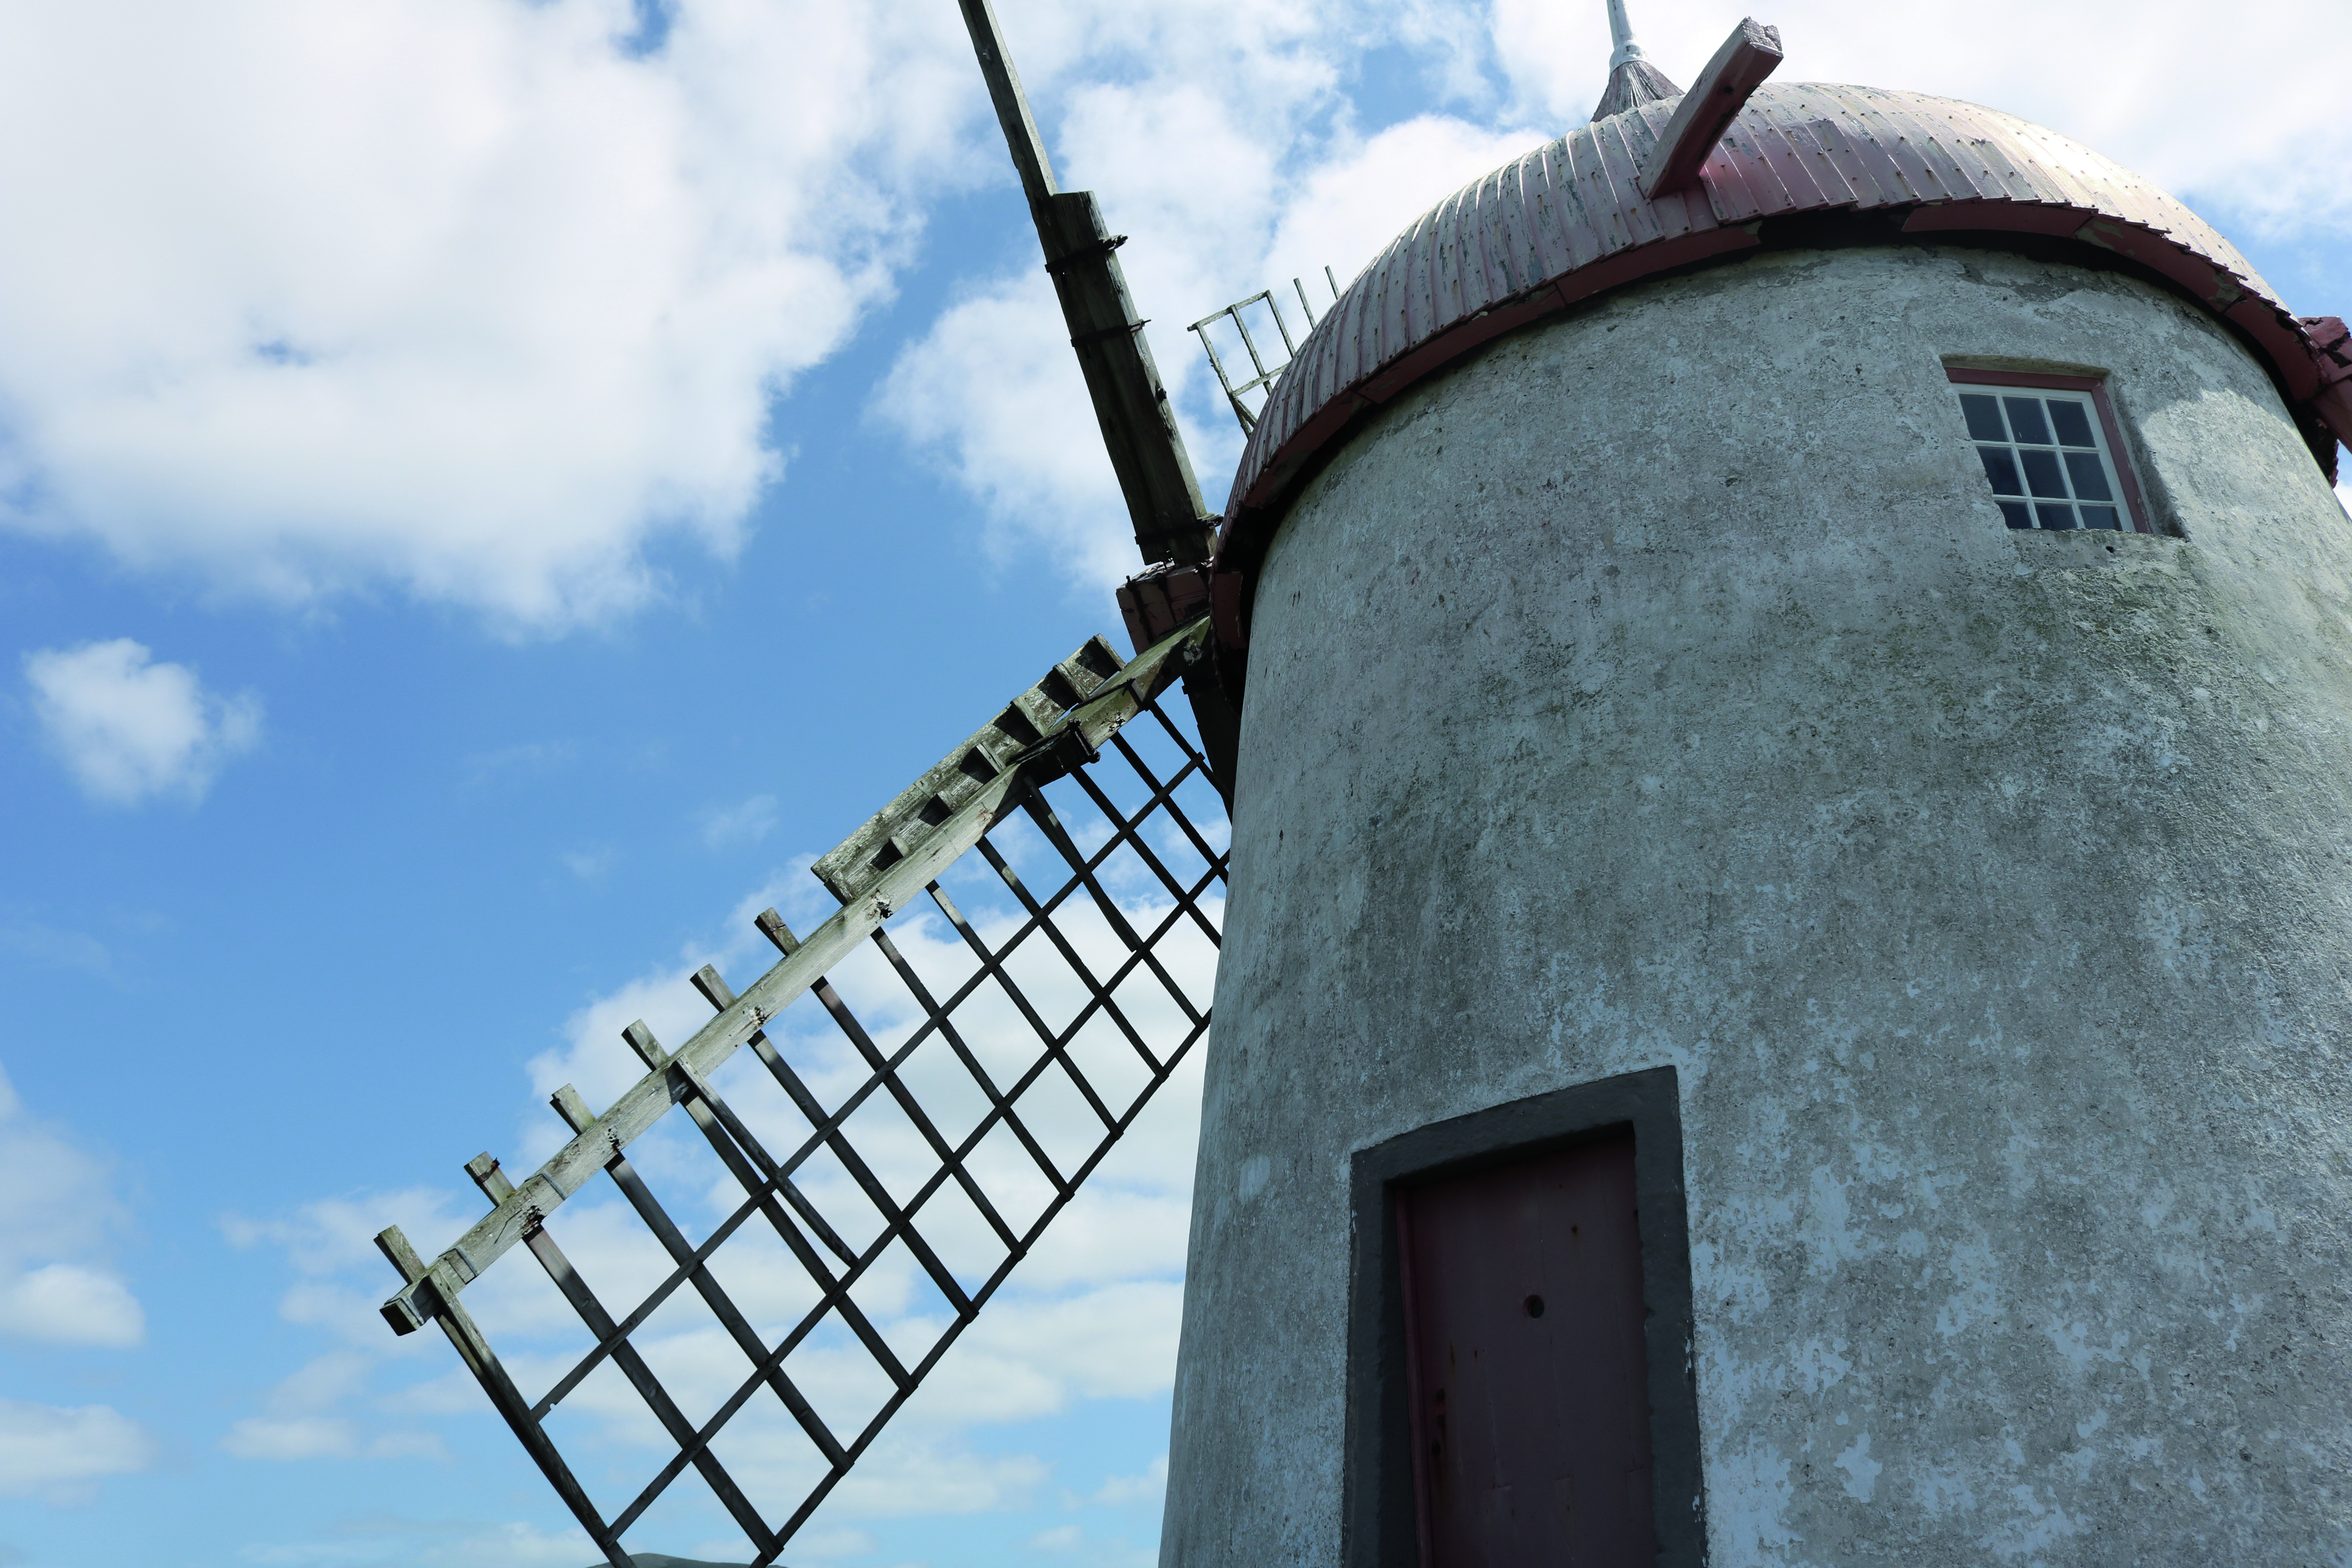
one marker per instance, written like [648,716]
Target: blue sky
[487,490]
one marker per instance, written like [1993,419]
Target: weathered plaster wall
[1663,687]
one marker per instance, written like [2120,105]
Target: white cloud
[994,393]
[1120,1491]
[513,1546]
[333,1238]
[2343,492]
[2140,83]
[130,729]
[67,1304]
[52,948]
[811,1543]
[727,828]
[382,1539]
[1072,1543]
[1274,180]
[60,1455]
[292,1438]
[328,1407]
[588,865]
[57,1211]
[298,1420]
[461,296]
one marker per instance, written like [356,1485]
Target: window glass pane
[2074,422]
[2090,479]
[2041,473]
[2002,469]
[1984,417]
[2046,458]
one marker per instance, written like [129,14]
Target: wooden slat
[716,991]
[848,869]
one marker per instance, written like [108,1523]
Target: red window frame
[2096,386]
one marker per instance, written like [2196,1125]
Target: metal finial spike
[1621,37]
[1632,79]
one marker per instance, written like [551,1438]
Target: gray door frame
[1378,1505]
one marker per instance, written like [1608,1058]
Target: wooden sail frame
[895,861]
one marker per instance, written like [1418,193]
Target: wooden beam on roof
[1708,109]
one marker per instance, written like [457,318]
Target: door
[1526,1363]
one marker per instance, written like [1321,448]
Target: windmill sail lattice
[937,1159]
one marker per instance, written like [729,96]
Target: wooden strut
[497,1188]
[475,1350]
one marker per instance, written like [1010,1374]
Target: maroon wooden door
[1529,1380]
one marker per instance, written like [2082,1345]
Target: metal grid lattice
[1135,881]
[1236,313]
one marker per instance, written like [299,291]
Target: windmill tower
[1783,996]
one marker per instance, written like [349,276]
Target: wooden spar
[1708,109]
[1037,170]
[850,867]
[1139,427]
[433,1291]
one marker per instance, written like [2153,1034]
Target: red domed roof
[1568,221]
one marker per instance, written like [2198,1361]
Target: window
[2049,447]
[1519,1384]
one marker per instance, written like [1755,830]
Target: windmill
[933,1149]
[1870,726]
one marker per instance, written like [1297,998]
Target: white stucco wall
[1661,687]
